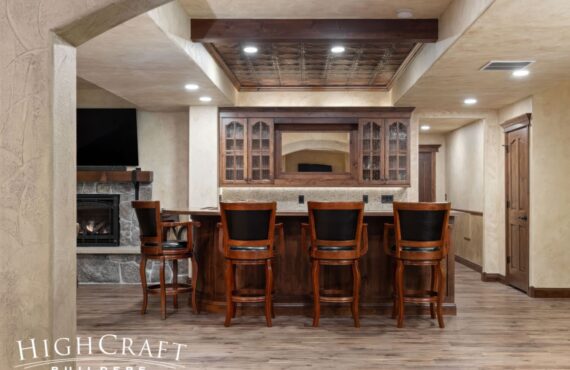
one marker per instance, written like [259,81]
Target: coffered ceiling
[299,65]
[302,9]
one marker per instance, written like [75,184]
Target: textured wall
[467,237]
[37,162]
[464,165]
[203,161]
[549,184]
[163,149]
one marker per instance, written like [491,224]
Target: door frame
[517,123]
[433,149]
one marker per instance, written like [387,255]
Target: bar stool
[248,239]
[338,237]
[421,235]
[155,246]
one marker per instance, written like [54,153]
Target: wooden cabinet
[384,151]
[246,150]
[251,146]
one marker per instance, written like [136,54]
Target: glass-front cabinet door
[371,134]
[233,149]
[260,150]
[397,154]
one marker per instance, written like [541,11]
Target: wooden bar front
[293,291]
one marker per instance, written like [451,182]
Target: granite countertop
[280,213]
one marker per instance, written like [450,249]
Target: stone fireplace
[113,263]
[98,220]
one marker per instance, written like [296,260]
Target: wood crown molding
[259,30]
[517,122]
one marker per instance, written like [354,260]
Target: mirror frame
[314,178]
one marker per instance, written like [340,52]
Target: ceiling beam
[266,30]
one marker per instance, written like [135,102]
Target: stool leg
[400,290]
[234,287]
[194,283]
[162,288]
[316,293]
[355,293]
[272,291]
[175,282]
[143,282]
[440,295]
[394,290]
[229,286]
[268,286]
[434,288]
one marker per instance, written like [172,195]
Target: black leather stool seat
[417,249]
[250,249]
[334,249]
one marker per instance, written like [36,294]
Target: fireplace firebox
[98,220]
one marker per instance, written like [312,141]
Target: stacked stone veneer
[120,268]
[287,198]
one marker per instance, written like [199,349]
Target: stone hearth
[122,265]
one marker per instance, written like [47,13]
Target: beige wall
[467,237]
[37,163]
[163,144]
[549,183]
[440,163]
[516,109]
[203,191]
[163,149]
[464,166]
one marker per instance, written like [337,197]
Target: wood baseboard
[549,292]
[488,277]
[465,262]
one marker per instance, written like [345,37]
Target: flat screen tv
[107,137]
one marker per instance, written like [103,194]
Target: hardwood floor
[496,327]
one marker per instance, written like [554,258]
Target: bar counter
[292,270]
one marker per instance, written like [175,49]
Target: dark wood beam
[265,30]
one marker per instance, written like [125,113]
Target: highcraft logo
[90,353]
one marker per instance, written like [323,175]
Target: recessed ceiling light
[338,49]
[405,13]
[521,73]
[191,87]
[425,127]
[205,99]
[250,49]
[470,101]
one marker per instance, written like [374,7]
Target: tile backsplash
[288,198]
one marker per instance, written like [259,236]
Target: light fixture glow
[205,99]
[425,127]
[191,87]
[405,13]
[521,73]
[338,49]
[470,101]
[250,49]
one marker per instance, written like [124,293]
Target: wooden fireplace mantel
[115,176]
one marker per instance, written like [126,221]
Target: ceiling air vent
[506,65]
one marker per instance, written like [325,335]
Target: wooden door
[397,152]
[371,136]
[517,179]
[260,146]
[427,173]
[233,151]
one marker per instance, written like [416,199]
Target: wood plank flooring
[496,327]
